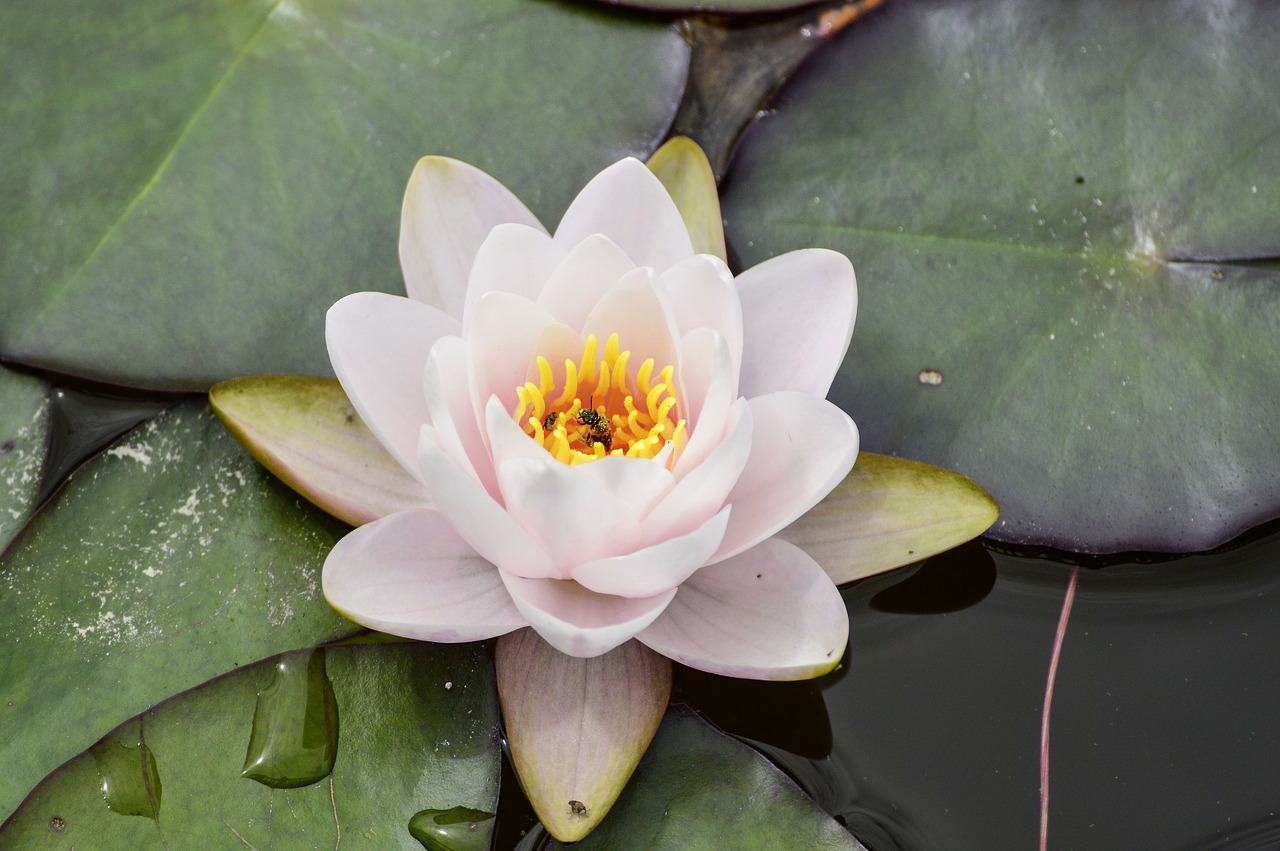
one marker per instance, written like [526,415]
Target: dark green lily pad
[188,189]
[698,788]
[171,558]
[419,729]
[24,431]
[1044,202]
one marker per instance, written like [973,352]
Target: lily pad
[1045,203]
[188,189]
[698,788]
[24,431]
[169,559]
[419,729]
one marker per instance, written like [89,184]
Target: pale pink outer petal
[449,209]
[411,575]
[770,613]
[636,310]
[501,344]
[449,401]
[514,259]
[580,622]
[701,493]
[703,295]
[653,570]
[590,269]
[628,204]
[477,518]
[378,344]
[801,448]
[797,317]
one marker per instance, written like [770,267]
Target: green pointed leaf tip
[577,727]
[205,237]
[889,512]
[1043,230]
[683,168]
[169,559]
[303,429]
[698,788]
[295,724]
[419,731]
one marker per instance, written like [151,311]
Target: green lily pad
[1044,202]
[169,559]
[419,729]
[698,788]
[188,189]
[24,431]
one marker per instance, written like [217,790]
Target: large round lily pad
[187,189]
[1048,205]
[171,558]
[418,729]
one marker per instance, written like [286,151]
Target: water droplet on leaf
[456,829]
[295,724]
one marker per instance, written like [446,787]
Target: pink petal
[574,517]
[514,259]
[477,518]
[707,390]
[801,448]
[590,269]
[580,622]
[797,318]
[703,295]
[449,209]
[701,493]
[502,342]
[626,203]
[378,344]
[769,614]
[637,483]
[653,570]
[635,310]
[411,575]
[449,400]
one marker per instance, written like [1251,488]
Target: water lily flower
[610,427]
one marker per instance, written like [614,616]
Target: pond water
[1164,732]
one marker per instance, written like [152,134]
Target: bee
[597,429]
[549,421]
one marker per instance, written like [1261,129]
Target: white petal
[477,518]
[449,400]
[626,203]
[574,517]
[636,310]
[653,570]
[707,391]
[703,295]
[411,575]
[449,209]
[590,270]
[801,448]
[502,343]
[769,613]
[378,344]
[797,317]
[514,259]
[706,487]
[580,622]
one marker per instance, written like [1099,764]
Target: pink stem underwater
[1048,701]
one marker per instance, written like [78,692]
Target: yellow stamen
[623,414]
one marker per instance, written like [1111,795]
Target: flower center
[636,416]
